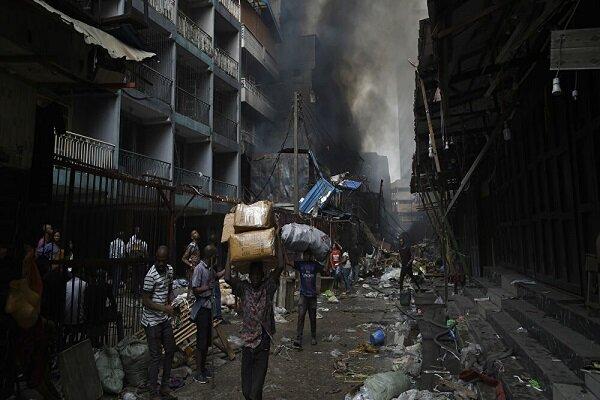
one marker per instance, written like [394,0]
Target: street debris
[382,386]
[110,370]
[414,394]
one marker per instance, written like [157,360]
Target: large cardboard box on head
[228,229]
[250,217]
[252,246]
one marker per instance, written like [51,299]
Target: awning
[91,35]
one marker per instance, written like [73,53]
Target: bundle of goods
[251,235]
[301,238]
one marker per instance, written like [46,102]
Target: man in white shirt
[116,251]
[137,248]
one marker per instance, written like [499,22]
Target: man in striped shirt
[156,320]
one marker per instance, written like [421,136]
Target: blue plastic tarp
[316,196]
[350,184]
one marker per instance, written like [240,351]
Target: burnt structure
[509,171]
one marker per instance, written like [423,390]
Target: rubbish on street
[470,355]
[385,386]
[391,273]
[110,370]
[371,295]
[330,338]
[135,357]
[414,394]
[377,338]
[365,348]
[336,353]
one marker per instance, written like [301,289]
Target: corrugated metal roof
[350,184]
[91,35]
[316,196]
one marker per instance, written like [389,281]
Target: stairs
[550,332]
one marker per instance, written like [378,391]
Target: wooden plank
[78,373]
[225,342]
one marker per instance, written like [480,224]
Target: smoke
[365,47]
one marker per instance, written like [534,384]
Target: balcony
[258,51]
[191,106]
[186,177]
[164,7]
[224,189]
[225,126]
[248,137]
[141,166]
[192,32]
[226,63]
[150,82]
[252,96]
[233,6]
[84,149]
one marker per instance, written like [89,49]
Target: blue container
[378,337]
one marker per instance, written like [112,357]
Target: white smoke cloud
[378,37]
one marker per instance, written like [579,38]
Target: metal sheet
[94,36]
[316,197]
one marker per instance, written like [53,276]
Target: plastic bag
[110,370]
[22,303]
[135,357]
[300,238]
[385,386]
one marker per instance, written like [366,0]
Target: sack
[22,303]
[252,246]
[386,385]
[110,370]
[300,238]
[228,229]
[254,216]
[135,357]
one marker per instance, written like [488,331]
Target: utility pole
[296,189]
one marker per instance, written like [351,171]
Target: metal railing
[247,136]
[191,106]
[186,177]
[225,126]
[255,47]
[84,149]
[226,62]
[164,7]
[150,82]
[262,99]
[224,189]
[139,165]
[233,6]
[192,32]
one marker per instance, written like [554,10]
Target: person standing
[218,268]
[203,282]
[137,249]
[191,256]
[45,239]
[116,251]
[156,319]
[52,250]
[308,270]
[346,269]
[258,324]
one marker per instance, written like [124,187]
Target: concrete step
[568,309]
[562,391]
[574,349]
[536,358]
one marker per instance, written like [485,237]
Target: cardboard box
[228,229]
[254,216]
[252,246]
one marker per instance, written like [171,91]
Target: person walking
[191,256]
[156,319]
[308,270]
[137,250]
[203,281]
[346,269]
[406,259]
[258,324]
[218,268]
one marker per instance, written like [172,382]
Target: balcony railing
[140,166]
[233,6]
[150,82]
[253,45]
[247,136]
[226,63]
[186,177]
[192,32]
[225,126]
[84,149]
[257,99]
[164,7]
[224,189]
[191,106]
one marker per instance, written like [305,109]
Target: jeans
[355,272]
[408,271]
[345,272]
[255,363]
[158,336]
[203,337]
[217,302]
[307,304]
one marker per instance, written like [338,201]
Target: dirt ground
[309,374]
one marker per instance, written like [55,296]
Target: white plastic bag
[386,385]
[110,370]
[300,238]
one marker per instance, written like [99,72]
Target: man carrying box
[308,270]
[258,324]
